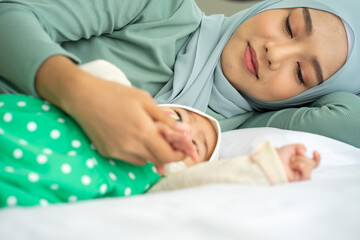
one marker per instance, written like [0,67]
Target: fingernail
[174,116]
[195,157]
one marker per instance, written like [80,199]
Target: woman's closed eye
[289,31]
[287,27]
[299,75]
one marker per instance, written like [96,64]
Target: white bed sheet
[327,207]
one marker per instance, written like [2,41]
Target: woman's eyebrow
[309,28]
[318,71]
[308,21]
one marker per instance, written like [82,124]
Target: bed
[327,207]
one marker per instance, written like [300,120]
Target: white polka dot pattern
[8,117]
[55,134]
[31,126]
[33,177]
[72,198]
[45,107]
[11,201]
[127,191]
[86,180]
[23,142]
[131,175]
[91,162]
[18,153]
[47,151]
[43,202]
[60,120]
[112,176]
[66,168]
[76,143]
[71,153]
[21,104]
[103,188]
[9,169]
[42,159]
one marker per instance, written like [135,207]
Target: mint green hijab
[198,80]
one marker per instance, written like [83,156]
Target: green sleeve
[32,31]
[336,115]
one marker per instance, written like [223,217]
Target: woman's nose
[277,54]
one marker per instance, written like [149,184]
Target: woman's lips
[250,60]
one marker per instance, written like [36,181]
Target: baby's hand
[297,166]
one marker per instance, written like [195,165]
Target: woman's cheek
[285,91]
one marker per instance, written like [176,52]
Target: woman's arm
[335,115]
[118,119]
[32,31]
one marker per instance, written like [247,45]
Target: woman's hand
[120,120]
[297,166]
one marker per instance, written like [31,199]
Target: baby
[267,165]
[47,158]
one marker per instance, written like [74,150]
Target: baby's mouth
[250,60]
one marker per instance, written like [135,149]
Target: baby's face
[202,132]
[277,54]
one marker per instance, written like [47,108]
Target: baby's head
[204,130]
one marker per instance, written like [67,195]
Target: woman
[172,51]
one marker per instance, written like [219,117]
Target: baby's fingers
[316,157]
[302,168]
[300,149]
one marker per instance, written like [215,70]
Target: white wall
[227,7]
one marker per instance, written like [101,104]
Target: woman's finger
[162,151]
[179,140]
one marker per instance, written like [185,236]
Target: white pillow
[244,141]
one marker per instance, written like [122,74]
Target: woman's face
[277,54]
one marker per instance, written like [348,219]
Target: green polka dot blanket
[46,158]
